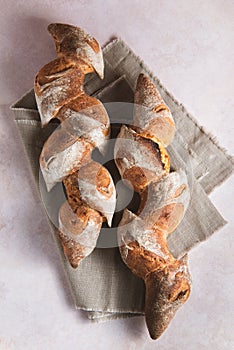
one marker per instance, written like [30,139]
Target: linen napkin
[103,285]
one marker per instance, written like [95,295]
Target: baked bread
[152,117]
[66,155]
[142,160]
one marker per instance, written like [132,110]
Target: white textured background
[189,45]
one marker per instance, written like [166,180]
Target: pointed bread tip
[145,88]
[166,292]
[73,40]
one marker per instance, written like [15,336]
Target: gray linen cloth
[103,285]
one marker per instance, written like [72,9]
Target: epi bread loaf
[142,160]
[66,155]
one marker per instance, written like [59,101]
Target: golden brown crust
[142,261]
[166,218]
[87,105]
[59,92]
[167,279]
[164,198]
[63,154]
[138,177]
[94,186]
[52,91]
[170,216]
[95,174]
[79,227]
[71,40]
[140,160]
[152,116]
[76,218]
[61,80]
[144,250]
[51,71]
[72,250]
[166,291]
[72,190]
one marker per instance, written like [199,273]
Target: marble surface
[188,44]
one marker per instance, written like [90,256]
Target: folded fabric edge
[108,317]
[16,105]
[108,310]
[97,315]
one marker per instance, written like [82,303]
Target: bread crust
[138,159]
[79,228]
[152,116]
[93,186]
[66,155]
[164,197]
